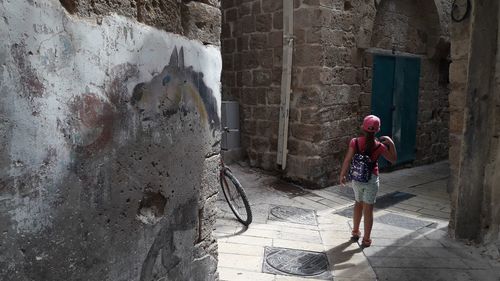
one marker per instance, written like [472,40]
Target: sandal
[355,234]
[366,243]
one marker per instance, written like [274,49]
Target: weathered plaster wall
[474,125]
[108,159]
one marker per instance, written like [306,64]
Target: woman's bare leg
[368,213]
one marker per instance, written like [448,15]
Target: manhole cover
[402,221]
[293,215]
[295,263]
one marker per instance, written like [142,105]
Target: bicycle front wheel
[236,197]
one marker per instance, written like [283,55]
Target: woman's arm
[345,165]
[391,154]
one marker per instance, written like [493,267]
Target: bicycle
[235,195]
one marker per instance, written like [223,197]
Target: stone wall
[410,29]
[474,125]
[331,80]
[252,36]
[110,132]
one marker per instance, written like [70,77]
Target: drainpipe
[286,80]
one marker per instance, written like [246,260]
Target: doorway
[395,88]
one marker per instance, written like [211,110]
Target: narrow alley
[117,116]
[410,240]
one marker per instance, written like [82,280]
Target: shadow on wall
[117,195]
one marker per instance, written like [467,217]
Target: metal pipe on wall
[286,79]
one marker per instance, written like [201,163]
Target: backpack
[362,165]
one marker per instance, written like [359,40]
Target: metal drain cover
[402,221]
[296,263]
[293,215]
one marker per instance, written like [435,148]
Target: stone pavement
[409,234]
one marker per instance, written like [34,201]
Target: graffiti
[163,255]
[91,121]
[176,88]
[90,126]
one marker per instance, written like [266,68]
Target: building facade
[336,45]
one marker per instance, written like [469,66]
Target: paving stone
[265,233]
[359,269]
[346,212]
[395,252]
[249,263]
[413,262]
[484,275]
[314,238]
[281,243]
[407,207]
[231,274]
[345,193]
[433,213]
[391,199]
[396,274]
[331,204]
[295,225]
[423,243]
[343,226]
[240,249]
[294,278]
[347,251]
[310,203]
[326,193]
[249,240]
[335,234]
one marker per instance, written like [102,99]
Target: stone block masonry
[331,77]
[252,35]
[109,140]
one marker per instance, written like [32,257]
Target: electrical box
[231,120]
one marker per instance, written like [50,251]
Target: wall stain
[91,120]
[176,88]
[30,83]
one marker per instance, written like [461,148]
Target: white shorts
[366,191]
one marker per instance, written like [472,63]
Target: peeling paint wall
[474,138]
[109,147]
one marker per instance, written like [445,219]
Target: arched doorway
[408,61]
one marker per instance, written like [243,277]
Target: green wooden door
[395,87]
